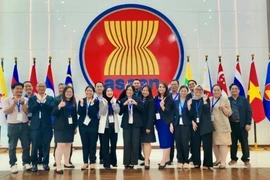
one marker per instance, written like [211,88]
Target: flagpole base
[267,149]
[256,148]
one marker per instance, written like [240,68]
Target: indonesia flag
[221,79]
[49,81]
[238,78]
[206,82]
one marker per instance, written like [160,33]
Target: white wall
[40,28]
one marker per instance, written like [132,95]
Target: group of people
[184,116]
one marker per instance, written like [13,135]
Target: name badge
[87,120]
[212,117]
[111,120]
[130,120]
[157,116]
[39,115]
[197,120]
[181,121]
[19,117]
[70,120]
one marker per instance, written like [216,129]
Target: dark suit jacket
[148,114]
[205,125]
[185,114]
[245,112]
[168,114]
[45,108]
[61,117]
[93,115]
[137,113]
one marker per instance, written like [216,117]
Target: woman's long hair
[72,99]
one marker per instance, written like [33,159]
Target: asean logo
[129,42]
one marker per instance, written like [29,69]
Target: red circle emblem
[267,92]
[130,42]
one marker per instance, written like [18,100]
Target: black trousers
[182,139]
[89,146]
[40,153]
[71,149]
[240,134]
[172,152]
[109,154]
[207,140]
[100,147]
[15,132]
[131,136]
[41,136]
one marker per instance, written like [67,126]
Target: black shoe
[169,163]
[70,162]
[59,172]
[146,167]
[34,168]
[162,167]
[141,158]
[142,164]
[107,168]
[101,161]
[69,167]
[114,165]
[54,164]
[46,167]
[126,167]
[131,166]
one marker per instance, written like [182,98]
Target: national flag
[15,76]
[188,72]
[238,78]
[33,76]
[221,79]
[68,80]
[3,92]
[206,82]
[266,97]
[49,81]
[254,95]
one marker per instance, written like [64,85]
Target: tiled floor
[257,159]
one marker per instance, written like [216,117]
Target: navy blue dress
[164,134]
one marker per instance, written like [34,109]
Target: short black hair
[234,84]
[149,89]
[13,86]
[192,80]
[184,86]
[175,81]
[132,87]
[61,84]
[27,82]
[217,86]
[99,82]
[90,87]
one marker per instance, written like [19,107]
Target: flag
[68,80]
[15,77]
[188,72]
[254,95]
[266,97]
[206,82]
[49,81]
[221,79]
[3,93]
[238,78]
[33,76]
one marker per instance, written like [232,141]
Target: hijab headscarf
[198,97]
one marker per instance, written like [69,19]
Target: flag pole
[2,64]
[50,59]
[206,57]
[34,60]
[255,148]
[268,148]
[188,58]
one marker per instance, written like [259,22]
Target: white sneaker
[27,167]
[14,169]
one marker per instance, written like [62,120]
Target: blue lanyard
[197,107]
[129,108]
[69,109]
[213,104]
[19,106]
[181,107]
[143,100]
[176,96]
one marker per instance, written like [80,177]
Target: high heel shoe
[162,167]
[146,167]
[59,172]
[216,163]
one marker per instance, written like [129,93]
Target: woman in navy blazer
[182,128]
[88,122]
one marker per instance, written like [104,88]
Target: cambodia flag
[15,76]
[33,77]
[49,81]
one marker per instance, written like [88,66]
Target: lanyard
[143,100]
[198,103]
[69,109]
[19,106]
[176,96]
[214,103]
[129,108]
[181,107]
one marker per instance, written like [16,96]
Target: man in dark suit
[240,121]
[41,107]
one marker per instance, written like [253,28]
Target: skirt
[148,138]
[164,135]
[222,139]
[66,136]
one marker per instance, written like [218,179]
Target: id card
[19,117]
[70,120]
[180,121]
[212,117]
[157,116]
[197,120]
[130,120]
[87,120]
[111,120]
